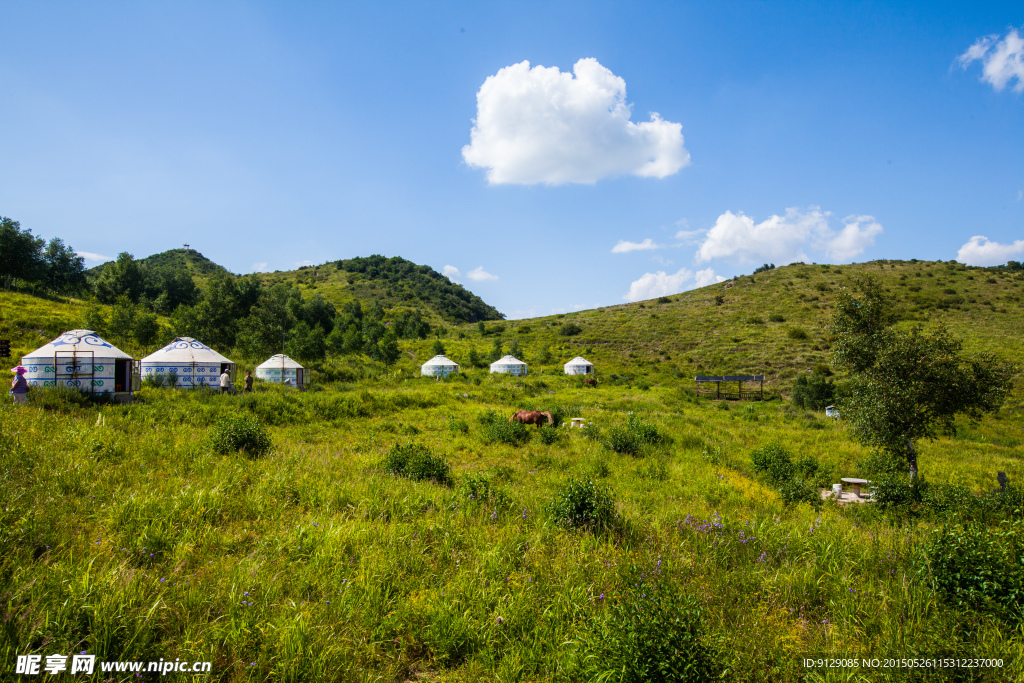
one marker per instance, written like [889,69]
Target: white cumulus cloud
[260,267]
[478,274]
[94,258]
[624,247]
[785,239]
[451,272]
[981,251]
[1002,61]
[651,285]
[540,125]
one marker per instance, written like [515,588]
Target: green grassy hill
[400,529]
[200,267]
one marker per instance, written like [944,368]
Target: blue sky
[694,140]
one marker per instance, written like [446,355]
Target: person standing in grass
[225,382]
[19,386]
[248,382]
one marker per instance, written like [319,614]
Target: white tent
[439,366]
[192,363]
[281,369]
[509,365]
[579,366]
[83,360]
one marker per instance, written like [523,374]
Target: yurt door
[300,378]
[122,373]
[136,382]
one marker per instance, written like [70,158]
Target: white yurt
[579,366]
[439,366]
[509,365]
[192,363]
[82,359]
[281,369]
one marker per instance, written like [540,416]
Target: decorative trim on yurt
[189,362]
[85,361]
[509,365]
[579,366]
[281,369]
[439,366]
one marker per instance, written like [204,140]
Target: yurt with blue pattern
[281,369]
[83,360]
[187,364]
[509,365]
[439,366]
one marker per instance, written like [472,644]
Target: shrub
[569,330]
[234,433]
[755,320]
[976,566]
[664,300]
[796,333]
[549,434]
[60,399]
[900,491]
[776,318]
[653,633]
[632,437]
[502,431]
[417,463]
[583,505]
[774,462]
[814,392]
[479,487]
[154,380]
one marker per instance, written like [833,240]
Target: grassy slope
[356,575]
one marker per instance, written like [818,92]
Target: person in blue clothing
[19,387]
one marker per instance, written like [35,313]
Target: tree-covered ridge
[452,301]
[30,262]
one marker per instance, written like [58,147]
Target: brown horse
[531,417]
[590,381]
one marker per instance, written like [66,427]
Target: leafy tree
[306,343]
[95,320]
[438,348]
[20,253]
[814,392]
[122,319]
[64,269]
[544,356]
[387,349]
[146,329]
[123,277]
[496,351]
[515,350]
[907,385]
[474,358]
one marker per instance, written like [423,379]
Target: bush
[501,431]
[774,462]
[457,426]
[417,463]
[549,434]
[653,633]
[776,318]
[234,433]
[900,492]
[478,487]
[569,330]
[583,505]
[59,399]
[976,566]
[814,392]
[634,436]
[796,333]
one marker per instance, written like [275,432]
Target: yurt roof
[185,350]
[579,360]
[508,360]
[278,360]
[79,341]
[438,361]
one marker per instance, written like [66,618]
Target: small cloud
[624,247]
[1002,61]
[662,261]
[1020,195]
[299,264]
[785,239]
[478,274]
[540,125]
[651,285]
[94,258]
[690,236]
[520,314]
[703,278]
[260,267]
[451,272]
[981,251]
